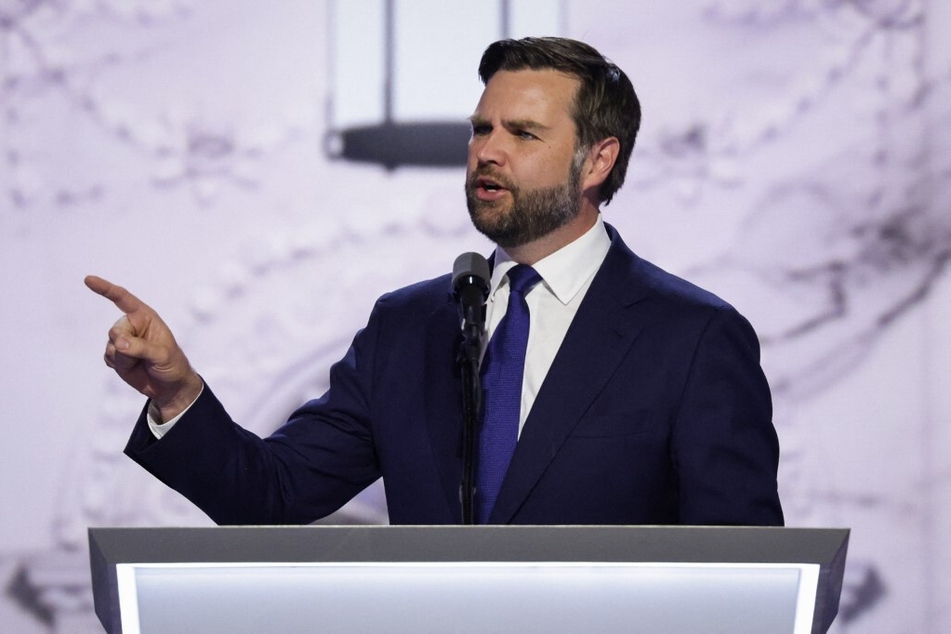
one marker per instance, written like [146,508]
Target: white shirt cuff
[152,416]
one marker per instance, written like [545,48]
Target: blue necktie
[502,370]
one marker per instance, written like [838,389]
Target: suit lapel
[596,342]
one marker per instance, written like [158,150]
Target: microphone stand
[469,353]
[472,407]
[470,288]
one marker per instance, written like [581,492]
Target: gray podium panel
[467,579]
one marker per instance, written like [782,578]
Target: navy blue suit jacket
[655,411]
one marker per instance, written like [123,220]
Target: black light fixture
[403,76]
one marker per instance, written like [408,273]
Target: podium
[467,579]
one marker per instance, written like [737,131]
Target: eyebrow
[511,124]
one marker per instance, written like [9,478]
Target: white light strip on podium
[552,596]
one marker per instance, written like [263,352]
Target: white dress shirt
[552,304]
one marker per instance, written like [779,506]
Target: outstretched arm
[144,353]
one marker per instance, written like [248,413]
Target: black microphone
[470,288]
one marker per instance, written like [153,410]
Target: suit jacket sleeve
[322,457]
[725,447]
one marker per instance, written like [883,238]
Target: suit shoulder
[642,280]
[425,294]
[667,286]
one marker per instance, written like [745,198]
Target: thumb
[139,348]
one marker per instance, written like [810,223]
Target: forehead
[546,96]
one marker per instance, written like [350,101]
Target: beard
[534,213]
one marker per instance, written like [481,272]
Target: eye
[525,135]
[481,129]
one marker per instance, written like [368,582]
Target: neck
[531,252]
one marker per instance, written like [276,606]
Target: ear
[601,158]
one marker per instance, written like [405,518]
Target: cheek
[544,173]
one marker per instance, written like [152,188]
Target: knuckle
[119,328]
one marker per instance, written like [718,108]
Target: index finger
[123,299]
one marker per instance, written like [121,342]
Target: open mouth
[489,188]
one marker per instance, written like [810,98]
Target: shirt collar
[567,270]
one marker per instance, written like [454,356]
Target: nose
[487,149]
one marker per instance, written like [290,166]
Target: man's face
[523,175]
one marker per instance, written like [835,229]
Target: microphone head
[470,268]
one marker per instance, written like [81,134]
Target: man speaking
[612,391]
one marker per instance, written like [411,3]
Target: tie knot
[522,278]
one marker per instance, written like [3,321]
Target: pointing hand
[144,353]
